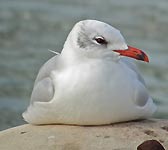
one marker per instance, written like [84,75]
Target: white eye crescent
[100,40]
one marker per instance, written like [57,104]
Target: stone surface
[123,136]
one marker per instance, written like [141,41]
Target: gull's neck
[70,55]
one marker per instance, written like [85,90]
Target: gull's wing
[46,69]
[43,90]
[141,96]
[130,63]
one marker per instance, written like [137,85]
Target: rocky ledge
[122,136]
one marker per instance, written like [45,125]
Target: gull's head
[92,38]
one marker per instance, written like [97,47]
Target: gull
[93,81]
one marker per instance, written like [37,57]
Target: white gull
[91,82]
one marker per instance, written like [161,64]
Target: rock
[122,136]
[150,145]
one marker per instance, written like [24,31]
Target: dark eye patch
[84,41]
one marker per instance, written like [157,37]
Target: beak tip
[146,59]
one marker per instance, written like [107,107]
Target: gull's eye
[100,40]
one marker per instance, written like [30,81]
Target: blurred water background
[29,27]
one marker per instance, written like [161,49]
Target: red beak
[133,53]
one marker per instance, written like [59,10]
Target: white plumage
[89,83]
